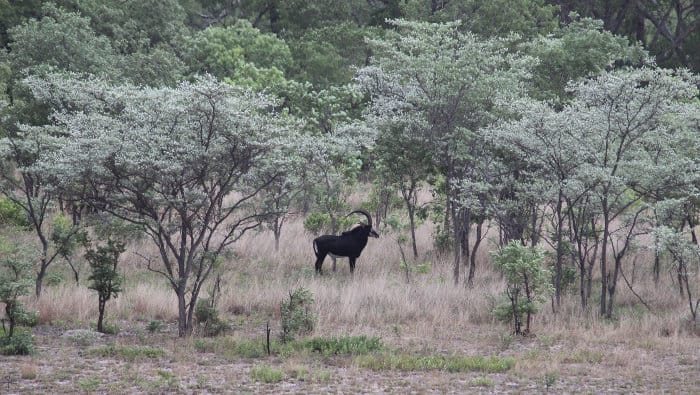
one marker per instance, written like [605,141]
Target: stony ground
[65,362]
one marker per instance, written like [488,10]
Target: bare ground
[556,363]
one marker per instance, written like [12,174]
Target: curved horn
[365,213]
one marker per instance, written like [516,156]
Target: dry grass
[377,299]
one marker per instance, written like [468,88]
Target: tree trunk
[560,251]
[100,318]
[182,322]
[39,280]
[412,224]
[472,257]
[9,307]
[274,16]
[604,259]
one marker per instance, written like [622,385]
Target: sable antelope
[349,244]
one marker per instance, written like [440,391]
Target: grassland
[426,336]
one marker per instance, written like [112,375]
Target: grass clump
[266,374]
[89,384]
[348,345]
[454,363]
[485,382]
[232,348]
[127,352]
[154,326]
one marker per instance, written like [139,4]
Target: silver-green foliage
[185,164]
[433,88]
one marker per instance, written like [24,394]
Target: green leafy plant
[527,284]
[208,318]
[154,326]
[20,343]
[296,315]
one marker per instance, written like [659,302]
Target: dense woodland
[570,127]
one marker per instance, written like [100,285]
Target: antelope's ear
[373,233]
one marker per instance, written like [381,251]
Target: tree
[452,84]
[403,159]
[625,117]
[684,256]
[34,44]
[105,278]
[549,142]
[580,49]
[616,148]
[186,164]
[236,51]
[667,28]
[488,18]
[27,187]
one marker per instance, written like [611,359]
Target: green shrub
[208,318]
[527,283]
[21,342]
[296,315]
[104,278]
[154,326]
[110,329]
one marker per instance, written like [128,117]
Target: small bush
[210,322]
[21,343]
[296,315]
[527,284]
[110,329]
[266,374]
[154,326]
[53,279]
